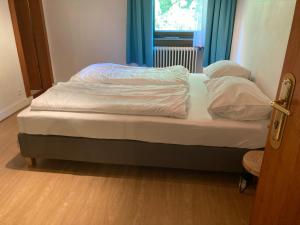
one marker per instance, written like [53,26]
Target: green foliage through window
[179,15]
[165,5]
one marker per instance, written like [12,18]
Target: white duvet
[109,73]
[138,94]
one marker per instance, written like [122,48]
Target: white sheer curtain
[199,34]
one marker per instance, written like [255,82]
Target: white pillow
[226,68]
[237,99]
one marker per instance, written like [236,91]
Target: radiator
[170,56]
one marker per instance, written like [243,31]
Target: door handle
[278,105]
[282,111]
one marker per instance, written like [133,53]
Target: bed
[196,142]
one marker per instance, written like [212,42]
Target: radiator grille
[170,56]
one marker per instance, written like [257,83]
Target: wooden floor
[64,192]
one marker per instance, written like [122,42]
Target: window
[177,20]
[177,15]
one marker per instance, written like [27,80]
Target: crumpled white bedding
[132,95]
[109,73]
[197,129]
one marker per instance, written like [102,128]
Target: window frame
[169,38]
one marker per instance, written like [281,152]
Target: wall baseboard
[14,107]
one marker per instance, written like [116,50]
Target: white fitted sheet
[198,129]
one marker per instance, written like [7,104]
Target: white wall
[12,93]
[82,32]
[260,39]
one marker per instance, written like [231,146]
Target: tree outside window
[177,15]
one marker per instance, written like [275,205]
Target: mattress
[197,129]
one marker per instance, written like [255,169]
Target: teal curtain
[140,26]
[219,30]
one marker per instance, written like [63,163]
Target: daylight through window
[177,15]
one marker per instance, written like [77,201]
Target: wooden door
[32,44]
[277,199]
[26,47]
[41,43]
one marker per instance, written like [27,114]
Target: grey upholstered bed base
[128,152]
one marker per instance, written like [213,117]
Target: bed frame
[129,152]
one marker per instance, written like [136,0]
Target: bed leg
[30,161]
